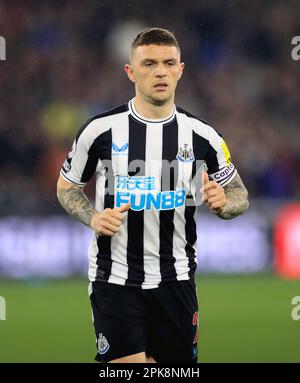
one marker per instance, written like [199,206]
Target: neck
[153,111]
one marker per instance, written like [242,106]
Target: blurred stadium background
[64,63]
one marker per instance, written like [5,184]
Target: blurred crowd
[64,63]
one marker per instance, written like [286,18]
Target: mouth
[161,86]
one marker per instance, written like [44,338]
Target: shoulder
[200,127]
[100,123]
[180,110]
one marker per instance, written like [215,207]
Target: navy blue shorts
[162,322]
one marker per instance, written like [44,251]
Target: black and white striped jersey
[152,164]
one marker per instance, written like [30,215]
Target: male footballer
[145,155]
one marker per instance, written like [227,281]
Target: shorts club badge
[103,345]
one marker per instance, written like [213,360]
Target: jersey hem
[141,286]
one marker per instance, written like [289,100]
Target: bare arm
[75,202]
[227,202]
[236,199]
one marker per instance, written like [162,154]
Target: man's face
[155,70]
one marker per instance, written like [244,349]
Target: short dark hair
[157,36]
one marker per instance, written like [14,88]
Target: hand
[213,195]
[108,222]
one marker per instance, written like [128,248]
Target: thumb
[205,178]
[124,208]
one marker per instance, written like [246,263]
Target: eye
[171,63]
[148,64]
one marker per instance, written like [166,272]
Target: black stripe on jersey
[166,217]
[200,147]
[100,149]
[191,237]
[204,151]
[104,261]
[135,222]
[212,160]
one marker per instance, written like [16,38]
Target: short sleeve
[81,161]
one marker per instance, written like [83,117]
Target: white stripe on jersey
[92,254]
[151,217]
[119,268]
[185,137]
[99,206]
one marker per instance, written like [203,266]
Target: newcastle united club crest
[103,345]
[185,153]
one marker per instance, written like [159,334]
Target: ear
[130,73]
[182,65]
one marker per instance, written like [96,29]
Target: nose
[160,72]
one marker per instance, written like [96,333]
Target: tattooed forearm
[75,202]
[236,199]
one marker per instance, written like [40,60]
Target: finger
[205,178]
[215,199]
[124,208]
[117,214]
[206,196]
[106,232]
[210,185]
[217,205]
[111,227]
[214,192]
[210,194]
[115,221]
